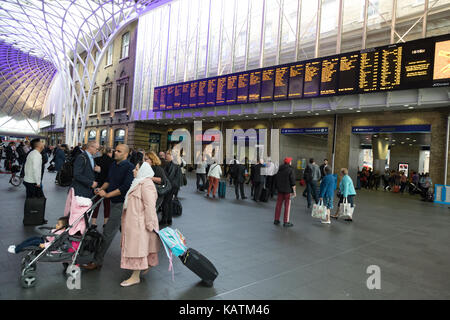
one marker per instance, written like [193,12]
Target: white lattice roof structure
[40,63]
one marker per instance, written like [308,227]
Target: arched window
[92,135]
[103,137]
[119,137]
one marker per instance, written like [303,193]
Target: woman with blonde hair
[160,178]
[140,244]
[347,190]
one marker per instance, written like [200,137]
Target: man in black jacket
[84,169]
[258,181]
[238,175]
[173,172]
[285,184]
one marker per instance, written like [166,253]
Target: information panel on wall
[280,91]
[296,73]
[423,63]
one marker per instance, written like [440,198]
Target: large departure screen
[368,71]
[185,93]
[242,94]
[177,96]
[328,79]
[193,94]
[390,67]
[267,83]
[211,92]
[417,64]
[169,97]
[296,73]
[280,90]
[221,91]
[312,79]
[201,97]
[232,89]
[162,98]
[348,73]
[254,90]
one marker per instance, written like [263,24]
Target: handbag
[346,209]
[319,211]
[165,187]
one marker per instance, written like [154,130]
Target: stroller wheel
[28,279]
[27,259]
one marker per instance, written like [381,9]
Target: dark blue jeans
[30,242]
[312,190]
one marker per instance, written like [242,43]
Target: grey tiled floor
[408,239]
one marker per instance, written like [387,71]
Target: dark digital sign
[368,71]
[193,94]
[328,78]
[280,91]
[177,96]
[312,79]
[254,89]
[296,76]
[348,73]
[390,67]
[420,63]
[185,92]
[242,93]
[267,83]
[169,97]
[232,89]
[221,90]
[201,97]
[211,92]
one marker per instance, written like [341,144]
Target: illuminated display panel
[296,76]
[162,98]
[242,93]
[156,94]
[169,97]
[348,73]
[368,71]
[232,89]
[390,67]
[417,64]
[177,96]
[221,91]
[185,92]
[281,86]
[312,79]
[211,92]
[193,94]
[267,84]
[328,77]
[254,89]
[201,97]
[441,71]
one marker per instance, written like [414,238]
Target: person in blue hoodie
[347,190]
[327,188]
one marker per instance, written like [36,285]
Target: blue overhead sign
[305,131]
[393,129]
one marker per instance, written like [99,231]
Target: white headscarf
[145,171]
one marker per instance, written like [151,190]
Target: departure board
[254,89]
[193,94]
[221,90]
[232,89]
[177,96]
[417,64]
[242,93]
[368,71]
[211,92]
[169,97]
[156,94]
[328,78]
[390,67]
[348,73]
[267,83]
[185,93]
[312,79]
[441,71]
[296,73]
[280,90]
[162,98]
[201,97]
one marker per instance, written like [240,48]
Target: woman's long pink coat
[139,220]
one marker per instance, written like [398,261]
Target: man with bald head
[115,188]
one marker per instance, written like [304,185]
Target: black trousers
[33,191]
[239,186]
[270,185]
[258,190]
[201,176]
[167,205]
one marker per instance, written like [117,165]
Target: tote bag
[346,210]
[319,211]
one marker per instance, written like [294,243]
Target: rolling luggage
[222,189]
[200,265]
[34,211]
[177,209]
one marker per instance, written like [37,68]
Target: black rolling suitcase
[177,209]
[200,265]
[34,211]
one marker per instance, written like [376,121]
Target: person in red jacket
[285,184]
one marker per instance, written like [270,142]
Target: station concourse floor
[407,238]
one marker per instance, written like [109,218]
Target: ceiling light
[414,140]
[316,114]
[283,116]
[308,111]
[328,110]
[410,107]
[406,105]
[231,119]
[393,140]
[255,118]
[410,145]
[274,114]
[386,138]
[358,110]
[403,142]
[350,108]
[290,112]
[407,138]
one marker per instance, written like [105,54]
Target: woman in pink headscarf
[140,244]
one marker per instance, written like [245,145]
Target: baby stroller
[76,245]
[413,189]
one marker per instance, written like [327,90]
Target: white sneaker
[12,249]
[326,222]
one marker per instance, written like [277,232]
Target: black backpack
[65,175]
[307,174]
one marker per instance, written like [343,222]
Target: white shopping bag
[319,211]
[346,210]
